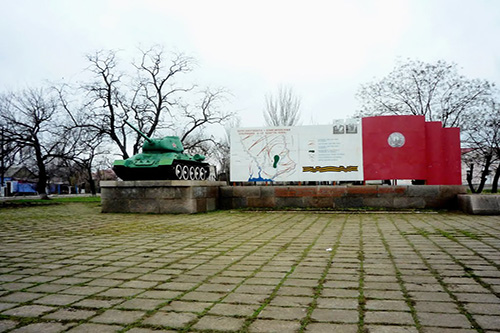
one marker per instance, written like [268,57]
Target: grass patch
[19,203]
[361,286]
[408,298]
[422,232]
[485,191]
[77,199]
[447,235]
[318,289]
[459,304]
[450,235]
[25,203]
[469,234]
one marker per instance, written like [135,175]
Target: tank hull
[162,159]
[185,170]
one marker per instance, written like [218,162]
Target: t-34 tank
[161,159]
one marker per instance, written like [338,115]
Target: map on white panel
[301,153]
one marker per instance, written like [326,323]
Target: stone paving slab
[69,268]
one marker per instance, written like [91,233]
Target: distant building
[106,174]
[19,180]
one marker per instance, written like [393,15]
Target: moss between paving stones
[258,271]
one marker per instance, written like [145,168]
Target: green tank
[162,159]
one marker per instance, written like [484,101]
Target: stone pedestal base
[480,204]
[160,196]
[341,197]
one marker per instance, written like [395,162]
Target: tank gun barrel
[138,131]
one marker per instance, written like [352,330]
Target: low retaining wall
[159,196]
[173,196]
[480,204]
[341,197]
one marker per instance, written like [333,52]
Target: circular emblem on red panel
[396,140]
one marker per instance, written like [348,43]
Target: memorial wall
[372,148]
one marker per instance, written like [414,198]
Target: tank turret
[161,159]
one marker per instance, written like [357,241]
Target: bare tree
[32,122]
[8,150]
[152,98]
[481,132]
[438,92]
[223,151]
[104,99]
[209,110]
[89,148]
[90,141]
[155,90]
[282,109]
[434,90]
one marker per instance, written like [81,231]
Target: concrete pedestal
[160,196]
[187,197]
[480,204]
[341,197]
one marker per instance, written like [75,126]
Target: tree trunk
[41,185]
[469,178]
[484,173]
[91,181]
[494,186]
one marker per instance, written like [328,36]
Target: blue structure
[19,180]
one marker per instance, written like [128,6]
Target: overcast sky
[323,49]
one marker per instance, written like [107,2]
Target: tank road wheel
[178,171]
[185,172]
[192,174]
[207,172]
[203,174]
[197,173]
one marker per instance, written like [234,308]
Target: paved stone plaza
[69,268]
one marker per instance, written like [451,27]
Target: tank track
[179,170]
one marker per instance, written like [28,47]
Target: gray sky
[323,49]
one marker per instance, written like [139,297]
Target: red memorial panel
[394,147]
[452,157]
[435,152]
[407,147]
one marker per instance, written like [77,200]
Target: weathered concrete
[341,197]
[480,204]
[159,196]
[203,196]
